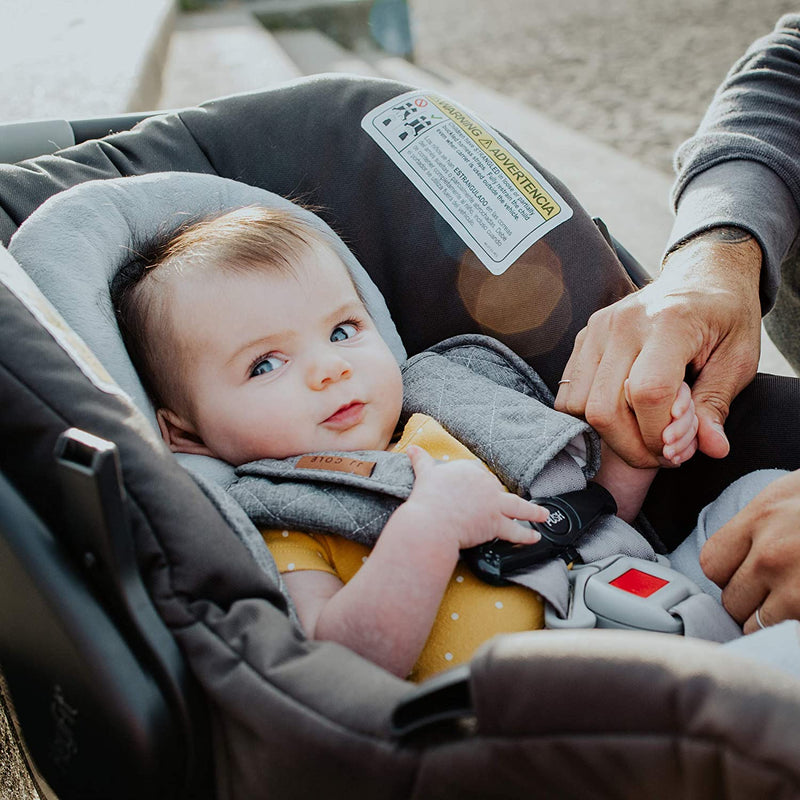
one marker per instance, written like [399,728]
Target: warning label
[496,201]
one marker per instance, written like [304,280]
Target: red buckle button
[634,581]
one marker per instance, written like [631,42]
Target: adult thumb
[712,393]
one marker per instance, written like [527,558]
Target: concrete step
[220,52]
[314,52]
[345,21]
[83,58]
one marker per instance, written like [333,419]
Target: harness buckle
[624,592]
[572,514]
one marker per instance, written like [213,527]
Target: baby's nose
[328,370]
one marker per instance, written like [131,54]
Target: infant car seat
[109,545]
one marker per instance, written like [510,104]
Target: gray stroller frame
[147,654]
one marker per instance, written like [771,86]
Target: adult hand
[702,312]
[755,557]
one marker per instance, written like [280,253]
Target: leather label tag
[337,464]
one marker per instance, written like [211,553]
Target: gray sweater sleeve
[742,167]
[747,195]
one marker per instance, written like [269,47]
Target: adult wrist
[725,252]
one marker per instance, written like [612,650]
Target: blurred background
[634,74]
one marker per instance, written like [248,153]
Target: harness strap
[704,618]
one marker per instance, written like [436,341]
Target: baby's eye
[344,331]
[267,364]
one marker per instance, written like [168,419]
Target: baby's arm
[386,611]
[628,484]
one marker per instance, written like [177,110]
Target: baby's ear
[179,434]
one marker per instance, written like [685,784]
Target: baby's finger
[420,459]
[686,453]
[518,532]
[683,401]
[678,447]
[680,424]
[678,430]
[516,508]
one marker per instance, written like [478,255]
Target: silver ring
[759,621]
[564,380]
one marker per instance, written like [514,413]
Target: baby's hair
[247,239]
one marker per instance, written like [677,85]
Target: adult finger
[765,614]
[745,591]
[595,392]
[576,380]
[653,384]
[613,418]
[726,550]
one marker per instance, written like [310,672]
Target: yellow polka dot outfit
[471,611]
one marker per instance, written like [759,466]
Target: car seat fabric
[571,715]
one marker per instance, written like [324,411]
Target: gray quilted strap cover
[491,400]
[278,494]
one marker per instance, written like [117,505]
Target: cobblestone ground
[634,74]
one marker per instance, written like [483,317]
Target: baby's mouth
[346,417]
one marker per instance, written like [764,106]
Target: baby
[253,342]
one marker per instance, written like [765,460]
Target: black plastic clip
[571,515]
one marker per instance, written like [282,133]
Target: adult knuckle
[575,407]
[715,400]
[767,560]
[792,601]
[650,391]
[600,415]
[599,318]
[731,605]
[582,334]
[707,561]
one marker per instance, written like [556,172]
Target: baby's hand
[464,500]
[680,436]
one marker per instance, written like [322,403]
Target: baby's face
[280,364]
